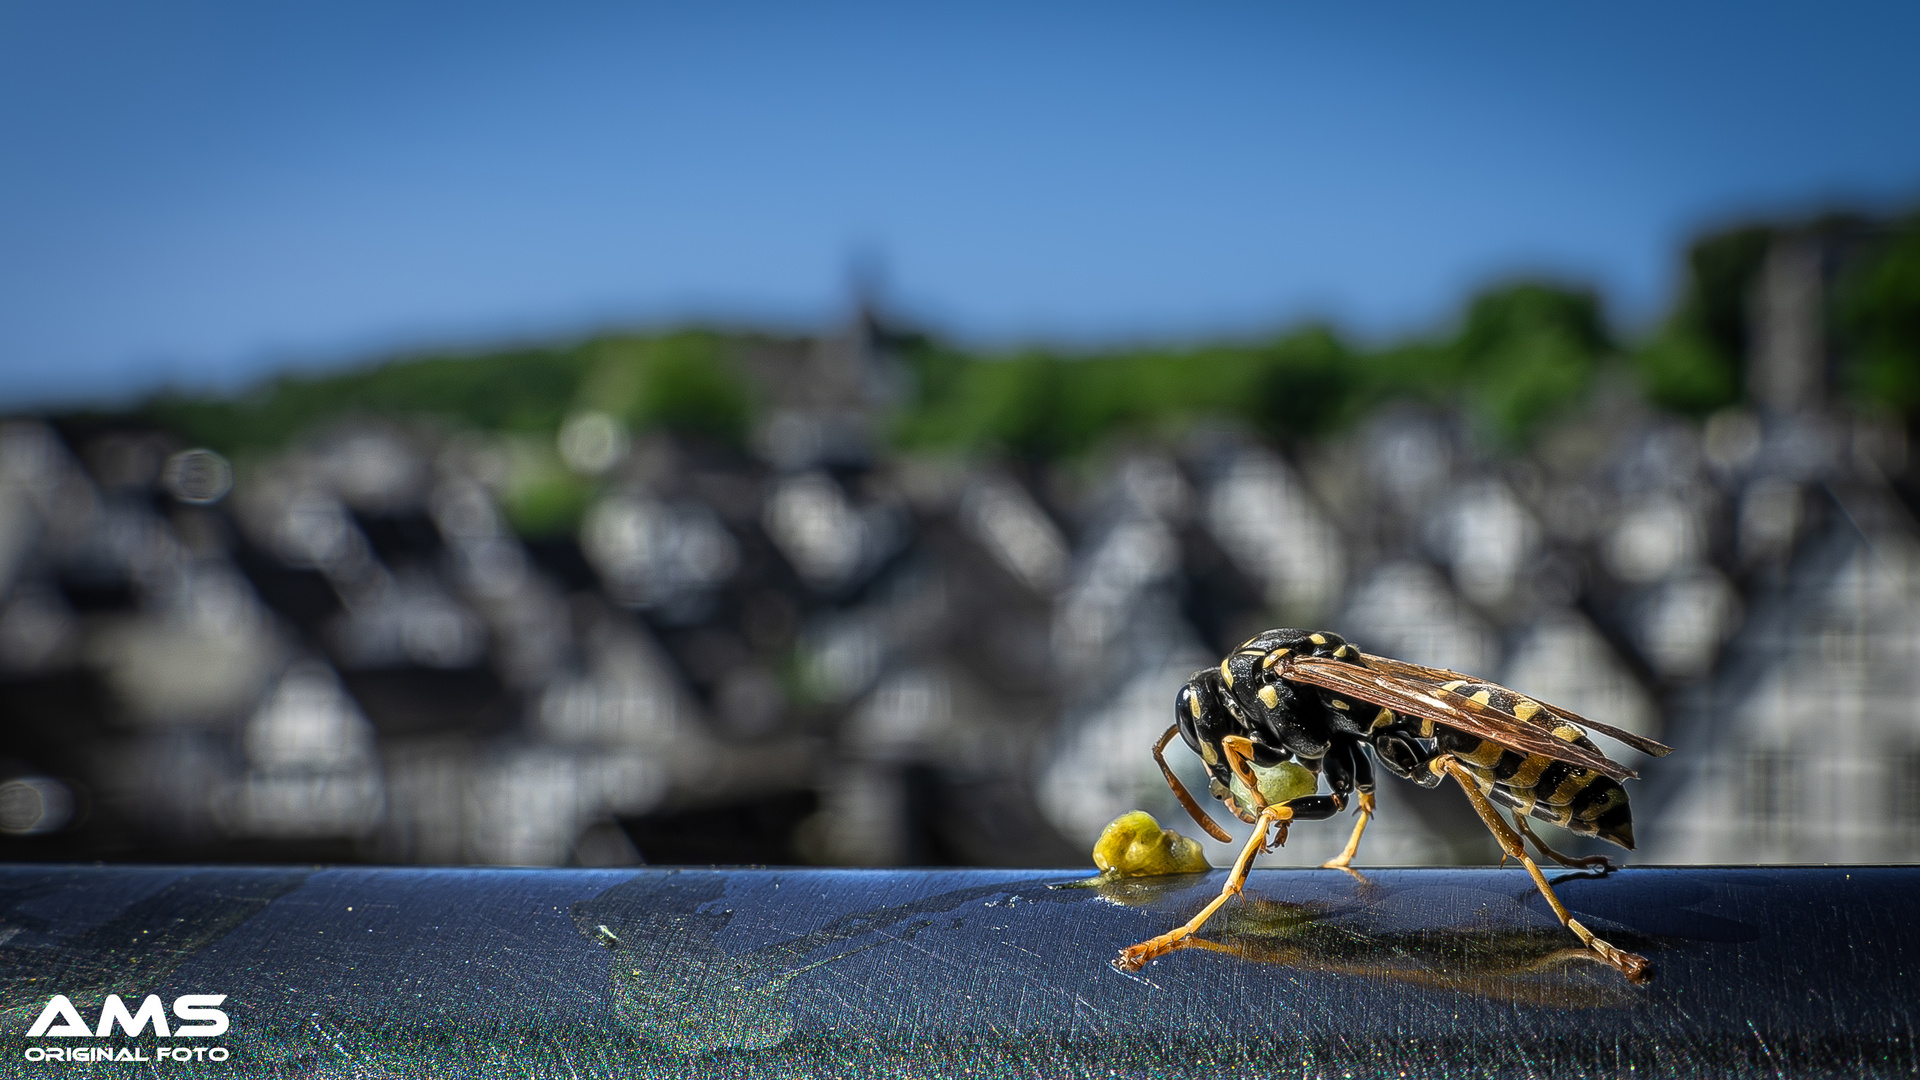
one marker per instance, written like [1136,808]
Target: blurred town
[865,599]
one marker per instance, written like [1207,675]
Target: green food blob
[1135,845]
[1280,783]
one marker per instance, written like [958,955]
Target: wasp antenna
[1180,790]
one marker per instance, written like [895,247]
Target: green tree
[1696,361]
[1305,386]
[525,391]
[1880,315]
[1526,354]
[687,382]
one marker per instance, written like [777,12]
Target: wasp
[1291,707]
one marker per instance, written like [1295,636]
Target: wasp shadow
[1474,941]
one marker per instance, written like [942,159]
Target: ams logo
[198,1015]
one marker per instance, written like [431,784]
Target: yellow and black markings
[1567,795]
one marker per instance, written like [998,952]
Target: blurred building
[813,650]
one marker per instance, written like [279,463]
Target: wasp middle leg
[1344,860]
[1349,765]
[1634,966]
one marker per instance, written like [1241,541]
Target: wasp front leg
[1133,957]
[1310,808]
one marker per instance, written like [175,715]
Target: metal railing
[576,974]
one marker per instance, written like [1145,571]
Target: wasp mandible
[1292,706]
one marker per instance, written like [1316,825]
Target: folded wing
[1423,696]
[1441,676]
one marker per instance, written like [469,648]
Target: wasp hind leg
[1133,957]
[1634,966]
[1585,862]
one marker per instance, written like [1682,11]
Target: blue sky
[198,194]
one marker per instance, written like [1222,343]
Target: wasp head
[1204,713]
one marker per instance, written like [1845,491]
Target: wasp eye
[1186,712]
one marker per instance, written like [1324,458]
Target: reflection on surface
[1455,938]
[674,981]
[675,985]
[42,954]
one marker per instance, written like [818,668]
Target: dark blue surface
[801,972]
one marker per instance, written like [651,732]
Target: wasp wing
[1418,696]
[1442,676]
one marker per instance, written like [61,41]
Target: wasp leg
[1363,780]
[1133,957]
[1584,862]
[1634,966]
[1344,860]
[1239,751]
[1199,816]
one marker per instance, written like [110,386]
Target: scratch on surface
[1093,1023]
[921,949]
[332,1039]
[840,956]
[1139,977]
[838,998]
[1768,1050]
[1023,949]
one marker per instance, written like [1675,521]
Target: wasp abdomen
[1577,799]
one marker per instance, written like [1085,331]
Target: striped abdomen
[1577,799]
